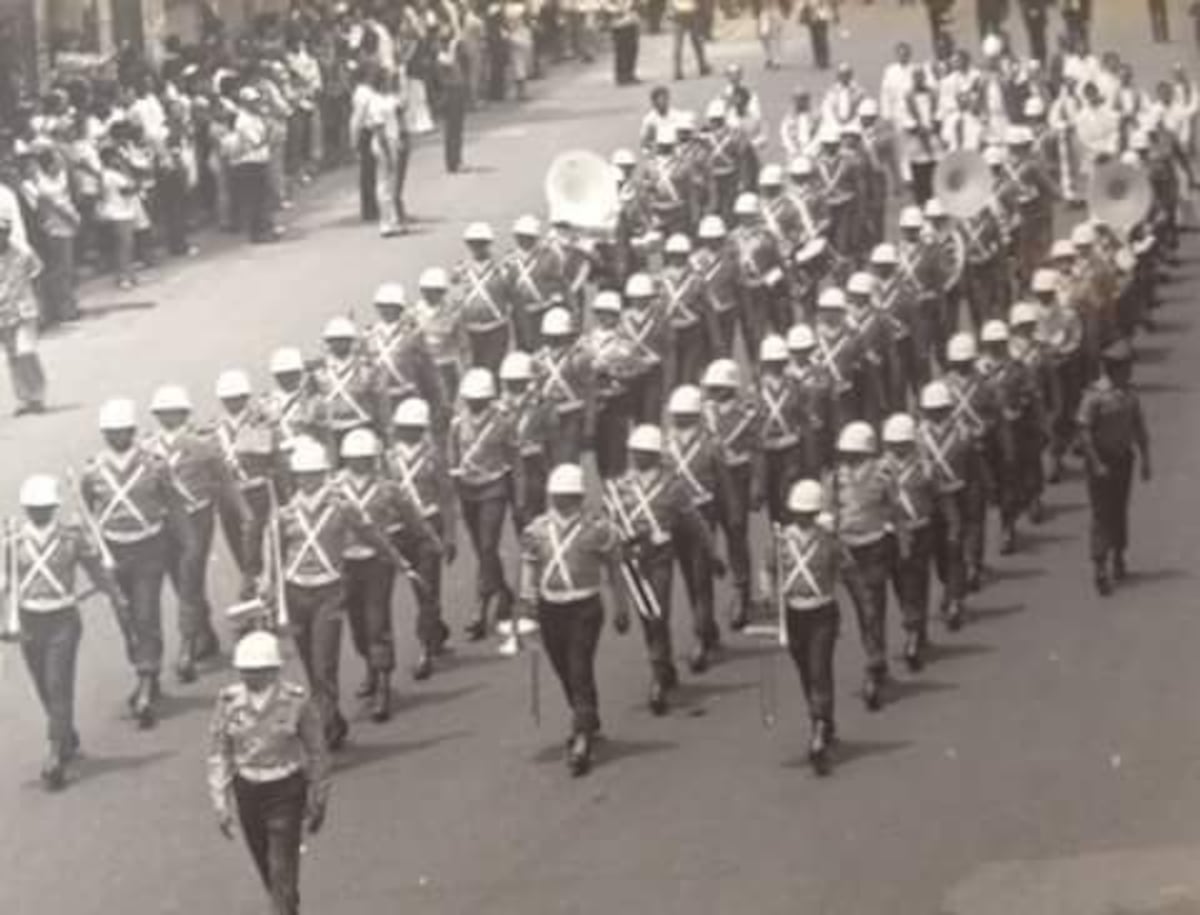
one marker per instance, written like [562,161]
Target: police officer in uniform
[203,480]
[417,463]
[1113,436]
[806,560]
[130,496]
[485,462]
[653,509]
[566,554]
[46,554]
[268,764]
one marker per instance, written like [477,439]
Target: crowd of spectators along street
[111,170]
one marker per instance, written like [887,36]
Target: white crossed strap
[640,329]
[906,502]
[775,400]
[829,356]
[288,408]
[475,446]
[388,345]
[802,558]
[226,436]
[409,468]
[939,451]
[340,377]
[479,291]
[721,154]
[311,532]
[360,498]
[729,439]
[558,566]
[683,458]
[173,454]
[965,408]
[120,496]
[677,293]
[643,507]
[664,182]
[39,566]
[556,387]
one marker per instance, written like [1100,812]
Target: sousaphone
[1119,195]
[963,183]
[581,188]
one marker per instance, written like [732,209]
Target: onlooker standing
[58,221]
[1160,27]
[453,76]
[817,15]
[116,212]
[625,34]
[360,133]
[10,208]
[685,14]
[19,268]
[251,167]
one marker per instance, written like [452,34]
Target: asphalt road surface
[1045,764]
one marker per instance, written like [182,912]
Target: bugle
[645,601]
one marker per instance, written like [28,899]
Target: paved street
[1046,764]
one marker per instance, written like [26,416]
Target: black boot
[438,647]
[913,651]
[819,746]
[873,691]
[185,664]
[698,659]
[741,610]
[1103,584]
[579,757]
[143,702]
[1008,545]
[954,615]
[477,629]
[658,697]
[1119,570]
[54,770]
[367,687]
[1037,511]
[207,644]
[381,703]
[423,669]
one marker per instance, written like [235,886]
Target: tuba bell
[581,188]
[963,183]
[1119,195]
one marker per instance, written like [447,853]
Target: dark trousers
[172,193]
[612,430]
[1109,499]
[426,561]
[818,33]
[866,579]
[368,202]
[570,635]
[910,580]
[646,396]
[974,521]
[488,347]
[732,505]
[1160,28]
[187,569]
[369,607]
[50,644]
[625,53]
[657,568]
[812,636]
[1070,385]
[696,568]
[454,119]
[272,818]
[687,25]
[783,468]
[316,619]
[922,181]
[484,519]
[724,335]
[691,355]
[569,444]
[59,302]
[251,184]
[949,558]
[530,501]
[141,568]
[248,556]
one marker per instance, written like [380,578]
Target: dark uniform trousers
[368,202]
[812,636]
[784,466]
[258,501]
[1030,440]
[657,567]
[691,349]
[646,396]
[866,579]
[531,501]
[141,568]
[50,644]
[758,317]
[1003,481]
[568,447]
[949,557]
[369,606]
[1070,384]
[974,517]
[732,503]
[1109,498]
[910,579]
[724,333]
[426,561]
[316,619]
[187,568]
[612,430]
[483,514]
[570,635]
[488,348]
[696,568]
[272,818]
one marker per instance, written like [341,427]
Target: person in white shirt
[963,129]
[10,213]
[1098,128]
[1187,102]
[843,98]
[390,144]
[661,114]
[360,100]
[896,84]
[798,128]
[963,77]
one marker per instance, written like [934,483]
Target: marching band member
[733,421]
[633,213]
[948,247]
[669,186]
[535,424]
[816,387]
[418,465]
[914,498]
[645,322]
[292,407]
[1016,406]
[535,282]
[128,493]
[763,281]
[439,320]
[861,499]
[348,383]
[716,261]
[616,361]
[203,480]
[875,332]
[1033,432]
[908,308]
[683,291]
[807,561]
[43,555]
[316,528]
[729,159]
[481,285]
[397,349]
[840,355]
[1061,332]
[565,377]
[485,463]
[653,508]
[788,443]
[565,554]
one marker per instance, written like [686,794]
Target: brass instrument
[581,188]
[1120,196]
[963,184]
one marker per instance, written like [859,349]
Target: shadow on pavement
[851,751]
[358,755]
[559,113]
[1016,573]
[89,767]
[407,700]
[1153,576]
[174,704]
[103,309]
[607,750]
[987,614]
[694,696]
[901,690]
[951,651]
[1161,387]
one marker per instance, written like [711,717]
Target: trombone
[644,598]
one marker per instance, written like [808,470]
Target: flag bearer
[45,554]
[564,555]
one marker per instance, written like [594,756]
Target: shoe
[873,692]
[439,646]
[741,615]
[423,669]
[670,678]
[1103,584]
[698,660]
[1119,570]
[819,746]
[367,687]
[912,652]
[71,748]
[1008,545]
[1037,512]
[975,582]
[381,703]
[658,699]
[54,771]
[579,757]
[143,705]
[336,738]
[207,645]
[956,616]
[185,665]
[476,630]
[1056,472]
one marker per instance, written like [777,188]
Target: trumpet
[645,601]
